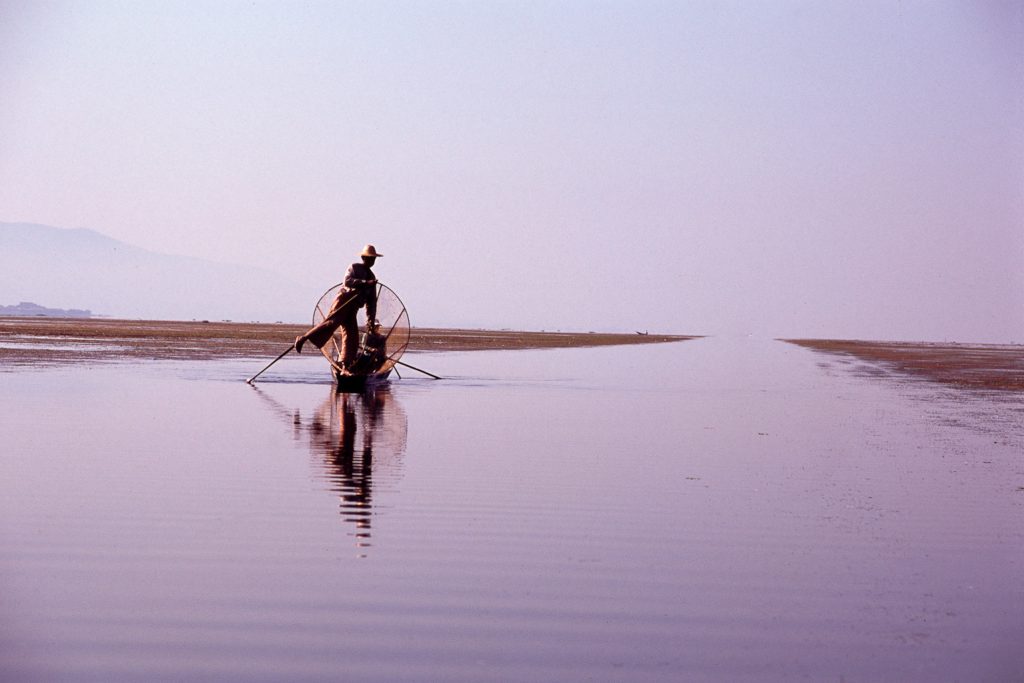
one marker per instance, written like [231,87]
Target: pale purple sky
[842,169]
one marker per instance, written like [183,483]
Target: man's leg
[341,310]
[349,341]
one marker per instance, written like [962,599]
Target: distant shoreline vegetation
[27,309]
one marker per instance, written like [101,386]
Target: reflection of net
[393,332]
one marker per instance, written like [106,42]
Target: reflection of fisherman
[359,290]
[355,476]
[358,436]
[352,467]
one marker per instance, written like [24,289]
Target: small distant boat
[380,346]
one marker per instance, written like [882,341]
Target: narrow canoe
[357,383]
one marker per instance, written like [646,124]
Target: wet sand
[54,341]
[978,366]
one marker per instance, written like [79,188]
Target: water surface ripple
[720,510]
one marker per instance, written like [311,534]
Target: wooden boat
[357,383]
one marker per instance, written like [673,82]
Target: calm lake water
[721,510]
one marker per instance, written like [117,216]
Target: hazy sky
[844,169]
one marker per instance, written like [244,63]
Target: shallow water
[710,510]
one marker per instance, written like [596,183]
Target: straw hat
[370,251]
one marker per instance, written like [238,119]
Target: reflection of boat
[358,442]
[380,346]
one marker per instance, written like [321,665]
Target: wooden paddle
[413,367]
[286,352]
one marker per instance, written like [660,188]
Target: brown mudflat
[972,366]
[48,341]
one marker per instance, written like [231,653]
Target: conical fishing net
[378,351]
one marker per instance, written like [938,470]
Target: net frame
[393,325]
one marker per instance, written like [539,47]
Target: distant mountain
[83,269]
[27,309]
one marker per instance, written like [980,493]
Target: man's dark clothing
[356,278]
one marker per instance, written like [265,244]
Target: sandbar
[55,341]
[998,367]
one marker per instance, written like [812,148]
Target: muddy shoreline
[997,367]
[54,341]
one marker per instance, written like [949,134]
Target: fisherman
[359,289]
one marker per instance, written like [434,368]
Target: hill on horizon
[33,310]
[83,269]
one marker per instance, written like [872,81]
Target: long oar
[286,352]
[413,367]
